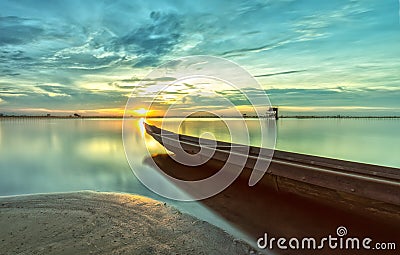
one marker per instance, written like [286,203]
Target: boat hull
[373,186]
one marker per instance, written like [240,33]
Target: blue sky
[309,56]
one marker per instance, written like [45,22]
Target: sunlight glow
[141,127]
[141,112]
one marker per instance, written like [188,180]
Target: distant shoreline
[196,117]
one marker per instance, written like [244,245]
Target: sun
[141,111]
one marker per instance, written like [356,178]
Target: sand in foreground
[105,223]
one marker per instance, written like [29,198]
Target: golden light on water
[141,127]
[152,145]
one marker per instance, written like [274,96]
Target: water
[60,155]
[63,155]
[48,155]
[373,141]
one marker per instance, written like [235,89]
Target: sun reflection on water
[140,124]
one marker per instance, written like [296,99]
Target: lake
[61,155]
[47,155]
[373,141]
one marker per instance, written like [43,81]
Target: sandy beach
[106,223]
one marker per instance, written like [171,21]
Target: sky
[310,57]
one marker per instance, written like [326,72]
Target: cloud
[335,97]
[279,73]
[258,49]
[95,53]
[16,30]
[136,79]
[152,41]
[80,53]
[56,90]
[77,48]
[141,84]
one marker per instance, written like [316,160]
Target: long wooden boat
[368,187]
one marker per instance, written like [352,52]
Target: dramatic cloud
[151,41]
[17,30]
[91,54]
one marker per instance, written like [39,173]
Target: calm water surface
[60,155]
[47,155]
[373,141]
[63,155]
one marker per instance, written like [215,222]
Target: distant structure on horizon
[271,113]
[275,110]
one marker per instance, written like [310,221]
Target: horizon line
[337,116]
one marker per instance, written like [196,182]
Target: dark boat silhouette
[351,179]
[299,195]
